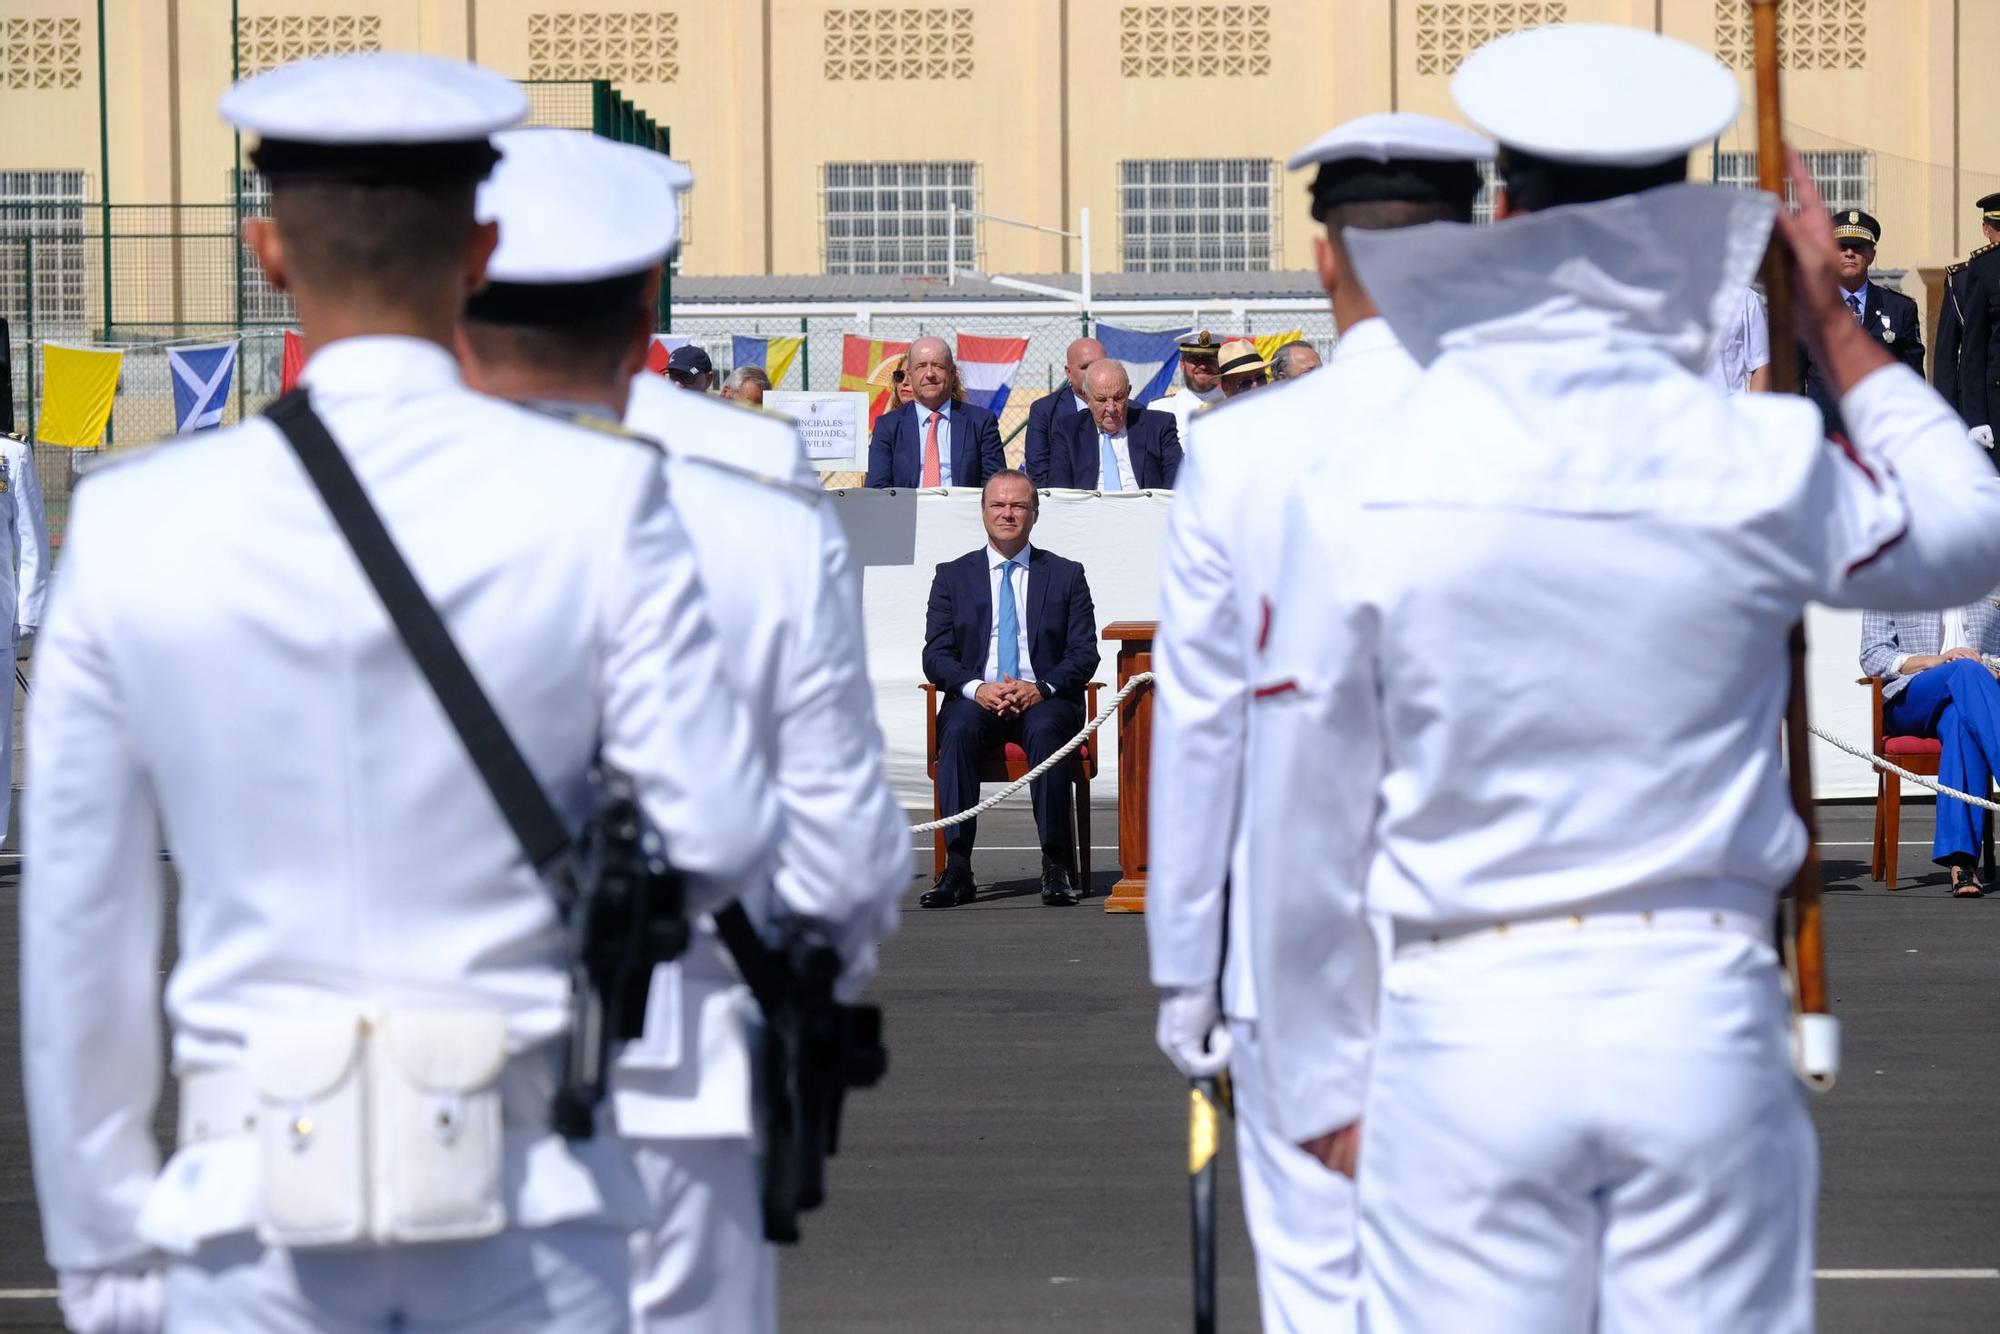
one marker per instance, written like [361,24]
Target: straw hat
[1239,356]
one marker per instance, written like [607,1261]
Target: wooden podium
[1135,755]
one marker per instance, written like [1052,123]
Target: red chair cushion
[1911,745]
[1016,755]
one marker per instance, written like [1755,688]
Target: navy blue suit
[1890,318]
[896,451]
[1151,437]
[1044,415]
[1062,654]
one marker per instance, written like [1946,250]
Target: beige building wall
[1047,97]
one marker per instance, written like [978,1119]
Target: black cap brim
[1400,180]
[284,161]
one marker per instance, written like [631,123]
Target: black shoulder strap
[500,763]
[761,967]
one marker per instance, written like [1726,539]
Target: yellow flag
[78,384]
[1268,344]
[781,353]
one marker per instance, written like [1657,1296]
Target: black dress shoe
[1057,891]
[951,889]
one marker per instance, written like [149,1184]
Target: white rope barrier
[1069,748]
[1919,779]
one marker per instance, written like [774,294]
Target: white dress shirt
[1745,347]
[238,688]
[1218,573]
[994,562]
[1415,738]
[1121,450]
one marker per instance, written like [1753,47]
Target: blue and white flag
[201,384]
[1150,358]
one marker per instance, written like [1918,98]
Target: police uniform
[576,212]
[1217,578]
[24,583]
[1527,658]
[1182,402]
[371,985]
[1966,361]
[1888,317]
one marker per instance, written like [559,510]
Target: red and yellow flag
[858,358]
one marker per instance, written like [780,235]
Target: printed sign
[831,424]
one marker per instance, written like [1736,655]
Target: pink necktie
[931,474]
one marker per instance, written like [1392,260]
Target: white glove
[24,641]
[1191,1032]
[1982,436]
[112,1301]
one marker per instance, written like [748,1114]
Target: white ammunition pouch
[369,1131]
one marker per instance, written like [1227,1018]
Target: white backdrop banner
[900,537]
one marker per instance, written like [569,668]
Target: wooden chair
[1918,754]
[1008,763]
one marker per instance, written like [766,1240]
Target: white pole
[1085,228]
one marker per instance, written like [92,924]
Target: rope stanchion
[1919,779]
[1068,749]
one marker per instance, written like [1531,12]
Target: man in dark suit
[1966,366]
[931,440]
[1011,641]
[1113,446]
[1890,318]
[1052,409]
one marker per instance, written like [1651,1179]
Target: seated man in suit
[1114,446]
[1011,641]
[1929,689]
[1048,411]
[1889,317]
[932,440]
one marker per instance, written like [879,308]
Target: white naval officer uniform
[1183,403]
[24,583]
[784,597]
[1218,576]
[1584,1120]
[371,982]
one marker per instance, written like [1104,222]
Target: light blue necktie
[1010,626]
[1107,466]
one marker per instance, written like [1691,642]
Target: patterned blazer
[1887,636]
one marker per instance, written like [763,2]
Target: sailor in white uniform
[371,985]
[1200,386]
[1527,662]
[586,225]
[1218,576]
[24,584]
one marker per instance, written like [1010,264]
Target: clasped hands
[1923,662]
[1007,696]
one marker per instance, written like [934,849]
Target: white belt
[1422,937]
[220,1102]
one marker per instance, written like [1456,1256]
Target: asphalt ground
[1023,1166]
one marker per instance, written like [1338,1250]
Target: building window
[41,53]
[628,48]
[1194,41]
[1845,176]
[1812,34]
[893,217]
[262,303]
[1197,215]
[268,41]
[45,263]
[930,43]
[1448,33]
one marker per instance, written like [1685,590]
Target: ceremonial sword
[1208,1098]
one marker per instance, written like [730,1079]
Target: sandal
[1965,885]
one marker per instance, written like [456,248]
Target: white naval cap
[574,207]
[1386,136]
[582,220]
[1394,156]
[1596,94]
[375,117]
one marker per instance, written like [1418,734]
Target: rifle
[1815,1032]
[814,1050]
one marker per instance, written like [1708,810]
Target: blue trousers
[966,732]
[1959,704]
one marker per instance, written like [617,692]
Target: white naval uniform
[1182,405]
[785,599]
[1526,666]
[1218,575]
[217,669]
[24,583]
[1745,346]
